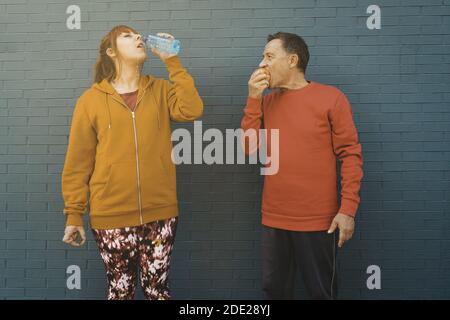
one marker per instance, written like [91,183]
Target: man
[300,210]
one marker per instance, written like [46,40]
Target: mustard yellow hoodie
[118,164]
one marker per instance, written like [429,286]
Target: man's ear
[293,60]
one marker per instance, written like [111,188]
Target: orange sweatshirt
[118,164]
[315,128]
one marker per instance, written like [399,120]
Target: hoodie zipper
[137,158]
[133,116]
[137,165]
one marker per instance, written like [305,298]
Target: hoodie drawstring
[157,110]
[159,123]
[109,111]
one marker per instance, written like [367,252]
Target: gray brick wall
[396,79]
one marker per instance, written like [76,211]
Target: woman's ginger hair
[104,67]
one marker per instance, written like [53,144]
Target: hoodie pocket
[158,185]
[120,191]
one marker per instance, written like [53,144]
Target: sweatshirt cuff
[348,208]
[253,103]
[74,220]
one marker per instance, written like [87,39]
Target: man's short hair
[293,44]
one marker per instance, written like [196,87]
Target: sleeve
[78,165]
[184,102]
[348,150]
[251,124]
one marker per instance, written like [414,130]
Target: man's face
[131,47]
[276,61]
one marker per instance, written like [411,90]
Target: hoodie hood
[105,86]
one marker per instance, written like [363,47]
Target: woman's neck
[128,80]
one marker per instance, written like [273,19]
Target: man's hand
[163,56]
[71,235]
[346,225]
[258,82]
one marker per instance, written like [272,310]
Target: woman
[119,162]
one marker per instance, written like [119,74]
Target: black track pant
[313,253]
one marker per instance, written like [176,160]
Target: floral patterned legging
[148,246]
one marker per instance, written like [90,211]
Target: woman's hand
[163,56]
[71,235]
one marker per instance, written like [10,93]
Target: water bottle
[168,46]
